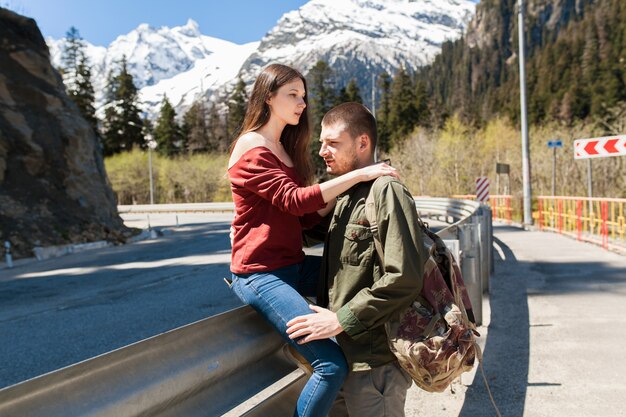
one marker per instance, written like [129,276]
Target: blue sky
[100,22]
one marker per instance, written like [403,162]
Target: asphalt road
[61,311]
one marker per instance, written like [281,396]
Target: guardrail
[177,208]
[230,364]
[501,206]
[202,369]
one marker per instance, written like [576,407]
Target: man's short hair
[357,119]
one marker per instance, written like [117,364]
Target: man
[359,296]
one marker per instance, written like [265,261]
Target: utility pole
[374,109]
[528,219]
[373,95]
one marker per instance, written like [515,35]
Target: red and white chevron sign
[482,189]
[600,147]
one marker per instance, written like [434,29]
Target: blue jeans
[276,295]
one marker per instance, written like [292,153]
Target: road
[57,312]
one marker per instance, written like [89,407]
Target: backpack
[434,339]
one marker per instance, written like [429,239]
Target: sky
[100,22]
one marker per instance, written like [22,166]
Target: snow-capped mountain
[355,37]
[358,37]
[157,57]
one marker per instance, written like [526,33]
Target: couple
[343,339]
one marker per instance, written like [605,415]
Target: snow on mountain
[156,57]
[358,37]
[202,80]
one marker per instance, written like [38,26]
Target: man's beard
[348,166]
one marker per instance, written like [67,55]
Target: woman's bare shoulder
[245,142]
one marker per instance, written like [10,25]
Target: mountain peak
[190,29]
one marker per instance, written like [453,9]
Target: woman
[269,169]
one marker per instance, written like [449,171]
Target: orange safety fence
[501,207]
[598,220]
[601,221]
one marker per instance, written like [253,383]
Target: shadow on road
[565,269]
[506,352]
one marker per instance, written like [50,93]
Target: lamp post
[151,145]
[528,219]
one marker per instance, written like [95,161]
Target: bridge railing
[597,220]
[601,221]
[230,364]
[502,206]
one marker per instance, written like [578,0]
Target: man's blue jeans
[276,295]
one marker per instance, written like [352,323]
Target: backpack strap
[370,215]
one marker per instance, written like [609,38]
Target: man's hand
[323,324]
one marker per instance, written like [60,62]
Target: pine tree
[403,114]
[349,93]
[70,56]
[195,128]
[321,93]
[382,113]
[217,131]
[167,133]
[122,124]
[421,104]
[76,73]
[237,105]
[321,99]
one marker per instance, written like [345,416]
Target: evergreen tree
[195,128]
[122,124]
[237,106]
[76,73]
[403,113]
[321,96]
[382,113]
[321,99]
[421,103]
[217,131]
[349,93]
[167,133]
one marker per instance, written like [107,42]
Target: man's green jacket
[355,288]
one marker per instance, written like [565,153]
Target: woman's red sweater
[271,209]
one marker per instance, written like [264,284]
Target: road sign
[502,168]
[555,144]
[600,147]
[482,189]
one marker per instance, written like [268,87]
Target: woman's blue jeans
[276,295]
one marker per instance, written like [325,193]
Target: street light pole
[553,171]
[528,220]
[151,145]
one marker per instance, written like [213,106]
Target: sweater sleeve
[402,243]
[260,172]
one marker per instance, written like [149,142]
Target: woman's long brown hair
[295,139]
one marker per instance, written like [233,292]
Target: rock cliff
[53,186]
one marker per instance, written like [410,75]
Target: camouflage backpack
[434,338]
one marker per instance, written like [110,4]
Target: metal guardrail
[471,225]
[177,208]
[202,369]
[230,364]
